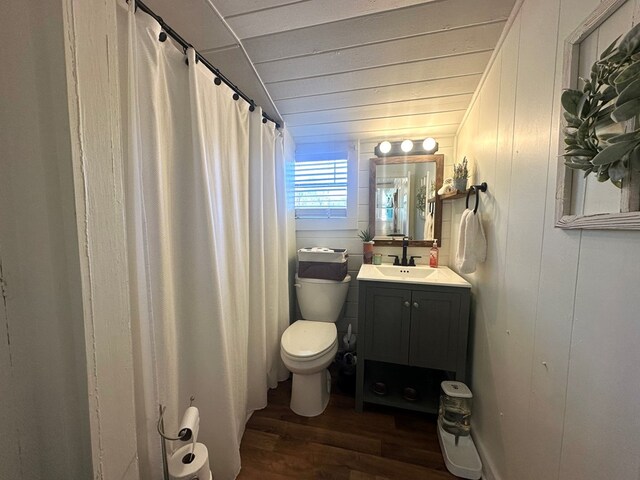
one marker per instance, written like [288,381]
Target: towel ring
[477,189]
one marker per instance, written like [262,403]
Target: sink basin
[393,271]
[420,274]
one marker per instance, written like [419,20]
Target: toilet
[309,346]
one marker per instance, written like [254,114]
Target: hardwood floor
[380,443]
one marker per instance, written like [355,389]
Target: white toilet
[309,346]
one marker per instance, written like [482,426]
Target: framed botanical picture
[598,184]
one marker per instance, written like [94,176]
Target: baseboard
[488,469]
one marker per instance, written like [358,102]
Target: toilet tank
[321,300]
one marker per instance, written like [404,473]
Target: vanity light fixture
[385,147]
[428,146]
[406,146]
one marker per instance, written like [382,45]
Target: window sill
[326,223]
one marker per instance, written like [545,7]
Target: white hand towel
[428,227]
[462,239]
[472,244]
[432,226]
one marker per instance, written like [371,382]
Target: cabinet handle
[416,305]
[406,304]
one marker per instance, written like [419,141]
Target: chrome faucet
[405,244]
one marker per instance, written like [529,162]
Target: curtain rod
[219,75]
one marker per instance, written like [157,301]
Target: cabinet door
[387,319]
[434,330]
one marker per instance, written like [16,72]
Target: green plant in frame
[594,135]
[421,198]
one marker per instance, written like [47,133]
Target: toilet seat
[306,340]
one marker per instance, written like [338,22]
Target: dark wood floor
[381,443]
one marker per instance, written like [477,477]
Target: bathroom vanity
[413,326]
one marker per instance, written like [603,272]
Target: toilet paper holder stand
[165,437]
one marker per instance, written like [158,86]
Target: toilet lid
[306,338]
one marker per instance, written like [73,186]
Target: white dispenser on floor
[454,431]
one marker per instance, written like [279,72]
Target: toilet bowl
[308,346]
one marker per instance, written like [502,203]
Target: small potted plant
[460,175]
[367,245]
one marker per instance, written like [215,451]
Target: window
[326,188]
[321,189]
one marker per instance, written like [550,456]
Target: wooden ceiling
[348,69]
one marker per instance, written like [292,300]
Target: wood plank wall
[555,356]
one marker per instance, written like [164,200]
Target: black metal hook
[477,189]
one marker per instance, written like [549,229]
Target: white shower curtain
[206,217]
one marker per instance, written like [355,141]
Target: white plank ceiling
[348,69]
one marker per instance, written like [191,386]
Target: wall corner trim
[91,61]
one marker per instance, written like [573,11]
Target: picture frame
[628,216]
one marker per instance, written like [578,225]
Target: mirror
[403,200]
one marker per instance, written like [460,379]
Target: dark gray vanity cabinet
[388,324]
[412,337]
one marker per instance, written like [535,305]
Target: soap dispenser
[433,254]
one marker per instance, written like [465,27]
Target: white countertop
[420,275]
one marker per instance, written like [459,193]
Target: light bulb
[406,146]
[385,147]
[429,144]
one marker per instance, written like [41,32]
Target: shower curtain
[207,232]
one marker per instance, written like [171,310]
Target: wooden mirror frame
[437,230]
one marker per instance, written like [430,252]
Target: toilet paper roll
[198,468]
[190,422]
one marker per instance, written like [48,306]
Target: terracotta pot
[367,252]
